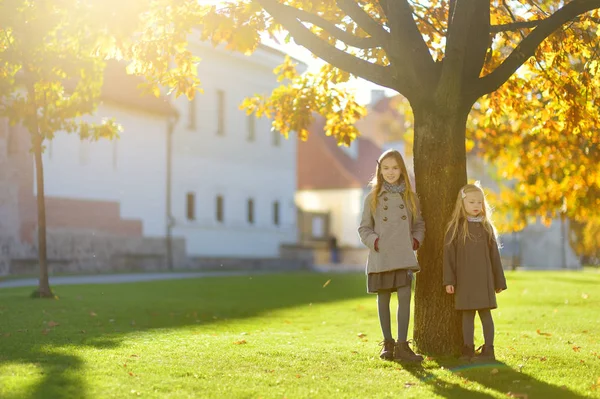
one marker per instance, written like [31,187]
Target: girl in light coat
[393,229]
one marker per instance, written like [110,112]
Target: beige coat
[474,269]
[393,224]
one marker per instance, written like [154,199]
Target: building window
[220,112]
[115,153]
[276,138]
[84,151]
[190,205]
[251,211]
[13,141]
[251,128]
[276,213]
[220,211]
[192,114]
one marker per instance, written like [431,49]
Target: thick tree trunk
[44,286]
[440,170]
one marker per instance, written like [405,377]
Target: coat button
[385,219]
[385,198]
[403,217]
[385,207]
[401,206]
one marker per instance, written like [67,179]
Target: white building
[232,180]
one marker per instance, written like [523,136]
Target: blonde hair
[410,198]
[459,224]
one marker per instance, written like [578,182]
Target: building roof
[121,88]
[322,164]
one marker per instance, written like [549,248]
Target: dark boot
[387,350]
[468,352]
[403,353]
[487,354]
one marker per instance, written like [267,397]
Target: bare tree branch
[289,18]
[340,34]
[364,20]
[527,47]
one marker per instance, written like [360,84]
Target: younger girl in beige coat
[392,228]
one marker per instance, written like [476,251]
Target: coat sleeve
[449,277]
[366,230]
[418,225]
[497,270]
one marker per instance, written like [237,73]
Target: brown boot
[387,350]
[487,354]
[468,352]
[403,353]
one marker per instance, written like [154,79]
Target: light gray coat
[393,224]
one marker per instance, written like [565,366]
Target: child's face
[390,170]
[473,203]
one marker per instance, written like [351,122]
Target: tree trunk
[43,290]
[440,170]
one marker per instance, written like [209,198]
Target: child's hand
[376,244]
[415,244]
[499,290]
[450,289]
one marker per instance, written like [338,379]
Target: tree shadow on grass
[497,376]
[441,387]
[39,332]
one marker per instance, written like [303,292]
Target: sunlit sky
[362,87]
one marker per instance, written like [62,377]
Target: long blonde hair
[459,224]
[377,182]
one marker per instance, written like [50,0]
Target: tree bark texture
[440,170]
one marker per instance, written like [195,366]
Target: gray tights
[383,306]
[468,326]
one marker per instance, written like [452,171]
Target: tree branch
[364,20]
[339,34]
[457,45]
[527,47]
[287,16]
[515,26]
[408,51]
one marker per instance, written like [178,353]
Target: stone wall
[89,252]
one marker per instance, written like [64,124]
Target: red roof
[323,165]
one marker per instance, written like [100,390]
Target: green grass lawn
[285,335]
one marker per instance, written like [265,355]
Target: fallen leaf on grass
[494,371]
[596,386]
[240,342]
[131,374]
[576,348]
[361,335]
[93,314]
[543,358]
[409,384]
[45,331]
[543,333]
[517,395]
[326,283]
[134,356]
[53,324]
